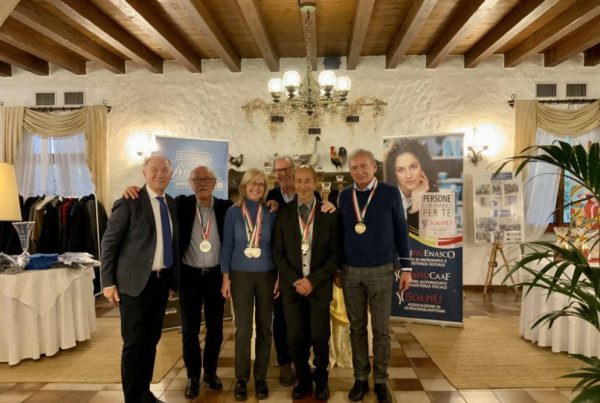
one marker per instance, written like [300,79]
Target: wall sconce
[143,144]
[476,153]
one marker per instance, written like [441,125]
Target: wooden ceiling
[68,33]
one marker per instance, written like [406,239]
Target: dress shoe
[321,391]
[261,389]
[240,392]
[300,391]
[383,393]
[192,388]
[286,375]
[358,390]
[213,381]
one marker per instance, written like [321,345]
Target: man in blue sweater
[376,241]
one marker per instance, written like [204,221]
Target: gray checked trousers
[369,288]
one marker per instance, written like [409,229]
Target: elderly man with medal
[307,253]
[375,238]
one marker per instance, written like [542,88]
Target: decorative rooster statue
[309,159]
[236,161]
[338,157]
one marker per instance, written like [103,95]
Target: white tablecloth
[43,311]
[569,334]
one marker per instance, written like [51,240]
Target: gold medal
[256,253]
[360,228]
[205,246]
[305,247]
[248,252]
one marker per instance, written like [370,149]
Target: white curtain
[542,183]
[53,166]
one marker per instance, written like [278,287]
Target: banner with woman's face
[428,172]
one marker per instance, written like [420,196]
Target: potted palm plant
[566,269]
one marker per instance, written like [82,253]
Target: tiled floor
[414,378]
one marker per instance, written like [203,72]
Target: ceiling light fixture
[306,92]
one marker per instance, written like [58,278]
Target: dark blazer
[129,243]
[186,214]
[326,250]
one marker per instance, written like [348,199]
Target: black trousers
[141,327]
[308,326]
[250,290]
[280,334]
[201,288]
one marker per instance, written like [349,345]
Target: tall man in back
[375,237]
[307,253]
[139,265]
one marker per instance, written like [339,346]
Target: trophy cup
[24,231]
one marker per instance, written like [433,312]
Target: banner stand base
[442,323]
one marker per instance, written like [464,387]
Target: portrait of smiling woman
[408,165]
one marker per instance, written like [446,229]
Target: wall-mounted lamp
[476,153]
[143,144]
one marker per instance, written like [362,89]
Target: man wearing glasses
[201,217]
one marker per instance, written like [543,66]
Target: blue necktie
[166,232]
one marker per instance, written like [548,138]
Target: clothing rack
[96,212]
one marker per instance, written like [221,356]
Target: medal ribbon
[253,231]
[360,214]
[206,231]
[305,227]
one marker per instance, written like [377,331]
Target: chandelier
[305,92]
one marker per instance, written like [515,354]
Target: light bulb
[291,78]
[275,85]
[343,83]
[327,77]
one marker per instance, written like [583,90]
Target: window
[53,166]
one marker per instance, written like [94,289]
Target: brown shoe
[286,375]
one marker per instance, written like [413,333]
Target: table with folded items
[44,311]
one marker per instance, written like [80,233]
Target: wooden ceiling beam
[30,41]
[213,34]
[591,57]
[309,28]
[360,24]
[24,60]
[45,23]
[5,69]
[412,24]
[512,24]
[6,8]
[568,21]
[461,22]
[155,22]
[98,23]
[257,25]
[573,44]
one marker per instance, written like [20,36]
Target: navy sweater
[386,238]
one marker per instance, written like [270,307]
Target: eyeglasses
[282,170]
[256,184]
[202,180]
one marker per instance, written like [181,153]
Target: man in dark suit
[307,253]
[140,263]
[201,217]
